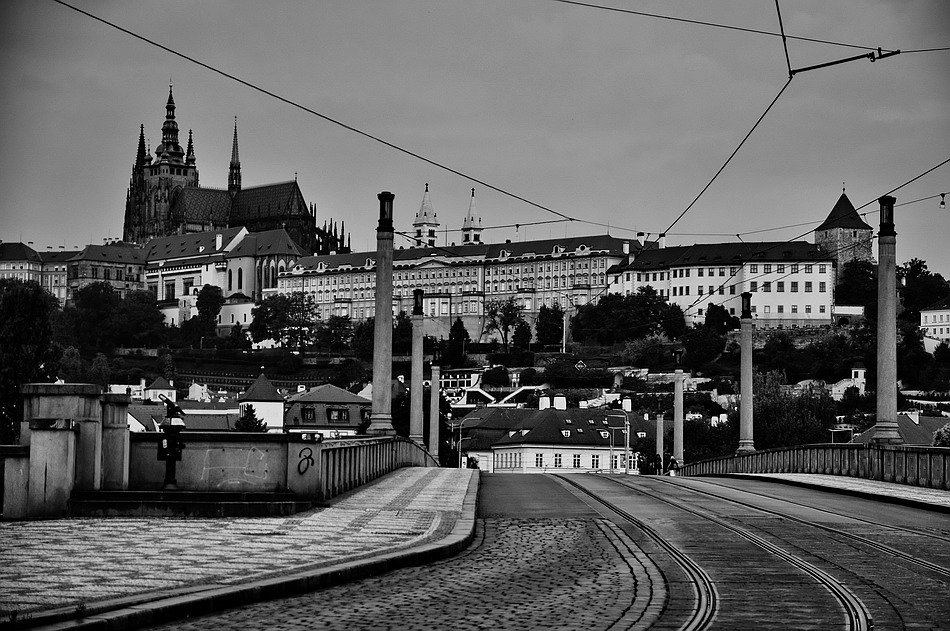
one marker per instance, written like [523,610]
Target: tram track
[857,617]
[935,568]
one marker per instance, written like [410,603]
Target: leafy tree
[782,419]
[615,318]
[496,376]
[209,302]
[647,352]
[237,339]
[26,350]
[919,288]
[942,436]
[363,339]
[92,318]
[522,335]
[674,323]
[455,350]
[100,372]
[287,318]
[71,369]
[402,334]
[702,346]
[502,316]
[248,421]
[857,286]
[719,320]
[139,322]
[336,331]
[549,327]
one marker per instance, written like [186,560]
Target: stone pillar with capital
[434,412]
[381,418]
[415,386]
[746,324]
[886,431]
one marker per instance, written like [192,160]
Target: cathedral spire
[472,224]
[234,171]
[190,154]
[141,156]
[426,222]
[170,150]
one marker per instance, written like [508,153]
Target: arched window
[240,278]
[229,280]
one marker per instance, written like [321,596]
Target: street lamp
[612,429]
[626,442]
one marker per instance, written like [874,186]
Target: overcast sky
[602,116]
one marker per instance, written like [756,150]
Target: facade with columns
[459,280]
[164,197]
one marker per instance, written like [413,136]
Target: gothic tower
[155,183]
[425,223]
[472,224]
[845,235]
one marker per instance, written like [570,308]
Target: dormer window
[558,249]
[604,434]
[566,433]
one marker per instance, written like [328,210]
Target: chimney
[544,402]
[662,243]
[218,241]
[626,247]
[626,405]
[560,402]
[641,237]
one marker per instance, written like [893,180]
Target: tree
[402,334]
[26,349]
[139,322]
[71,369]
[289,319]
[100,372]
[248,421]
[783,419]
[502,316]
[942,436]
[702,346]
[674,324]
[455,349]
[522,335]
[648,352]
[857,286]
[209,302]
[919,288]
[719,320]
[336,331]
[92,318]
[363,338]
[616,319]
[549,327]
[237,338]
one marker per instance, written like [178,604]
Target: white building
[268,403]
[935,324]
[458,280]
[792,282]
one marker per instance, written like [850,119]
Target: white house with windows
[792,282]
[241,263]
[935,324]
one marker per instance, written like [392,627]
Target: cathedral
[164,198]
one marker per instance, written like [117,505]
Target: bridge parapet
[927,467]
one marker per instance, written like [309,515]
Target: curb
[890,499]
[164,607]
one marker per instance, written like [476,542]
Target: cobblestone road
[519,574]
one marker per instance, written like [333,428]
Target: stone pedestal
[434,412]
[52,467]
[115,442]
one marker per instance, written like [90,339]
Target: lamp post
[626,442]
[459,444]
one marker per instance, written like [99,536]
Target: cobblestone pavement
[519,574]
[75,562]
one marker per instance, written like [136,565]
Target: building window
[230,280]
[780,268]
[577,461]
[240,279]
[821,308]
[807,308]
[768,268]
[767,286]
[794,308]
[795,268]
[595,461]
[780,286]
[822,269]
[557,460]
[722,271]
[781,309]
[307,414]
[753,286]
[338,415]
[808,286]
[822,287]
[808,269]
[753,269]
[538,460]
[794,287]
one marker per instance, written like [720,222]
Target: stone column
[115,442]
[746,444]
[659,436]
[885,428]
[678,412]
[435,392]
[381,419]
[415,386]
